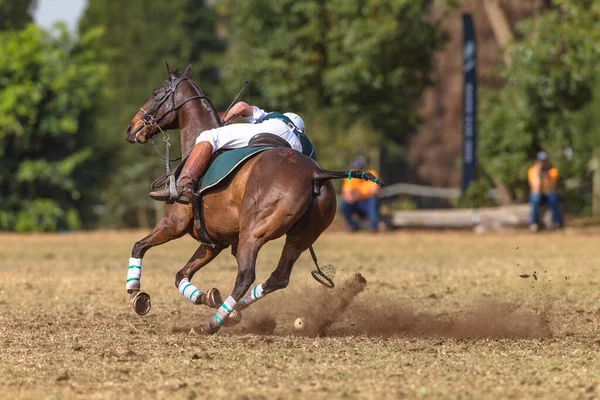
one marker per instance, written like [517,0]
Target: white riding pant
[235,136]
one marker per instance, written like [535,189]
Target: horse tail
[322,175]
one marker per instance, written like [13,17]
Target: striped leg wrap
[134,273]
[189,291]
[253,294]
[225,309]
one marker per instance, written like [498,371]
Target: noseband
[150,117]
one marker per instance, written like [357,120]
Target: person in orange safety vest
[543,187]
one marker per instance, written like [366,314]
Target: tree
[15,14]
[47,81]
[139,36]
[355,61]
[547,86]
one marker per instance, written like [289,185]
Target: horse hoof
[234,318]
[140,302]
[211,327]
[212,298]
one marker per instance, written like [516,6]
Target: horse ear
[169,70]
[188,71]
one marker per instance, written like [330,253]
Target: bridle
[149,119]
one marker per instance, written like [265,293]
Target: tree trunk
[505,195]
[595,167]
[500,26]
[504,35]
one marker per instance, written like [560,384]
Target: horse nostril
[129,129]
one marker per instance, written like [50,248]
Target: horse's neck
[188,139]
[194,120]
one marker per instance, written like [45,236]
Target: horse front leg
[174,224]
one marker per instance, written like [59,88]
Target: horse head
[161,111]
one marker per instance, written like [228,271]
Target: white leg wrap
[253,294]
[189,291]
[225,309]
[134,274]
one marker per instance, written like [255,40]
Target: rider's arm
[239,108]
[256,116]
[250,113]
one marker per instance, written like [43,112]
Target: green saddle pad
[226,163]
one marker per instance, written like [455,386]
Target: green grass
[444,315]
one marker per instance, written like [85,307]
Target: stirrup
[185,195]
[173,194]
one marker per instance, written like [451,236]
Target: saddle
[215,176]
[268,139]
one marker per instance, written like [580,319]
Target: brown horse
[279,191]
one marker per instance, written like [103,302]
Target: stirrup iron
[173,195]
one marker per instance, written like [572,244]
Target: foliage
[476,196]
[47,82]
[547,86]
[139,36]
[368,61]
[405,204]
[15,14]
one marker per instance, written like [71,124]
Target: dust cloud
[349,310]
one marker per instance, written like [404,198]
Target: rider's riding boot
[192,170]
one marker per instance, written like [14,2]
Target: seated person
[543,185]
[360,198]
[288,126]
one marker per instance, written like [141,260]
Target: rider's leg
[192,170]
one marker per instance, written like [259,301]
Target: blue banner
[469,102]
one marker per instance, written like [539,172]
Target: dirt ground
[442,315]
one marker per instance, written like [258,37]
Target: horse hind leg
[227,314]
[264,222]
[303,234]
[203,255]
[280,277]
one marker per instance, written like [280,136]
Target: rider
[288,126]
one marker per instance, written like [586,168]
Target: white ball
[299,324]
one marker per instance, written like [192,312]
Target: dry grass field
[443,315]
